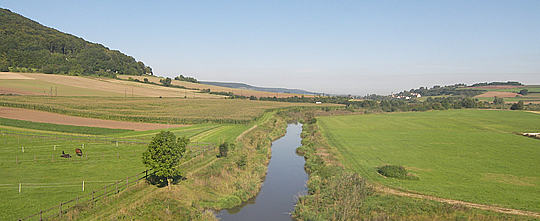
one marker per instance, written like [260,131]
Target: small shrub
[224,149]
[394,171]
[241,162]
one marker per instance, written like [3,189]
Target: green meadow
[470,155]
[30,157]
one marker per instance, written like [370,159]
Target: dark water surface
[285,181]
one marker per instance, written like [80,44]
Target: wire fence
[75,137]
[52,156]
[103,192]
[111,189]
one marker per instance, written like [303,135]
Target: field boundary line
[245,132]
[388,190]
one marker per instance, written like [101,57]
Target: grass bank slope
[469,155]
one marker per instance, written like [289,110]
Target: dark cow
[65,155]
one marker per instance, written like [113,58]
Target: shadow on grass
[161,181]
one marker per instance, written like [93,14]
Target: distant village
[406,97]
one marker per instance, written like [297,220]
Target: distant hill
[27,46]
[266,89]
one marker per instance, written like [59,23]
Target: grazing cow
[65,155]
[78,152]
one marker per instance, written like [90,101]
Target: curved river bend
[285,181]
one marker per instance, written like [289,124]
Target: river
[285,181]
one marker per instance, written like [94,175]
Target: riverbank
[285,180]
[336,193]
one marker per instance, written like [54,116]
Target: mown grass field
[47,179]
[156,110]
[469,155]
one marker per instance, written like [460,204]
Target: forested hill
[27,46]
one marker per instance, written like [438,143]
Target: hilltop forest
[27,46]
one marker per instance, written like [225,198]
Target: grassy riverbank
[336,193]
[471,155]
[211,183]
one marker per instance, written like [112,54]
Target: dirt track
[380,188]
[47,117]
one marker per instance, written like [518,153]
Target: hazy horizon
[331,47]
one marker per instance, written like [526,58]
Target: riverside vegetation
[211,182]
[337,193]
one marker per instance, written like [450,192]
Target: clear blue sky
[349,47]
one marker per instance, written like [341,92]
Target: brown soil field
[236,91]
[13,76]
[105,86]
[497,94]
[53,118]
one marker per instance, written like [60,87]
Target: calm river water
[285,181]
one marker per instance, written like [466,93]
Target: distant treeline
[508,83]
[455,90]
[27,46]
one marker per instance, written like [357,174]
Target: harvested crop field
[236,91]
[12,76]
[498,94]
[54,118]
[151,110]
[63,85]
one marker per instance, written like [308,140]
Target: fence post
[40,215]
[93,196]
[60,209]
[83,185]
[127,182]
[117,186]
[20,185]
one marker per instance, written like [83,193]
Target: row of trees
[29,46]
[185,78]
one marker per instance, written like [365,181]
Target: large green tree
[164,153]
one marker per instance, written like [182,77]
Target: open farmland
[46,179]
[63,85]
[236,91]
[510,93]
[469,155]
[48,117]
[155,110]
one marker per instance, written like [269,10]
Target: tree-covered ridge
[26,46]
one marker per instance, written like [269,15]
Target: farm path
[245,132]
[384,189]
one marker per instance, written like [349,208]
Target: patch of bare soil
[118,86]
[54,118]
[13,76]
[10,91]
[387,190]
[498,94]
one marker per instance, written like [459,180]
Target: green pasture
[47,179]
[469,155]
